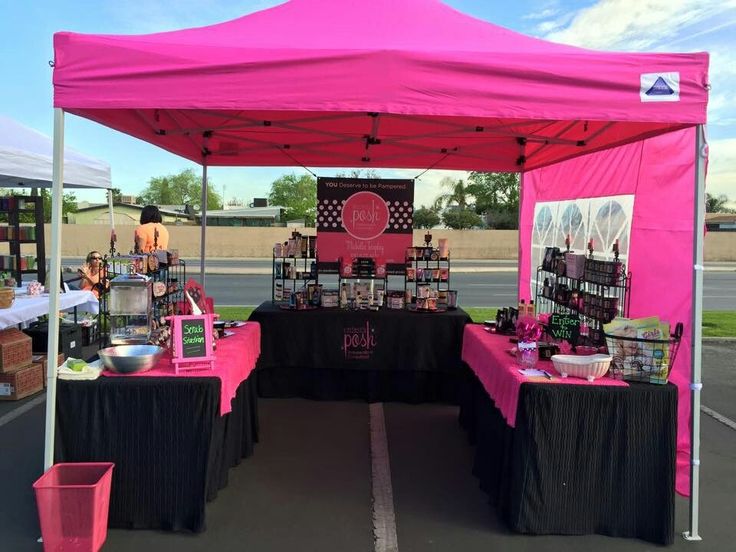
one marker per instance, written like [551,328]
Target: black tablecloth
[581,459]
[385,355]
[171,448]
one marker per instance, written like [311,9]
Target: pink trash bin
[73,502]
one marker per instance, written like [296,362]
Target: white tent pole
[203,212]
[697,333]
[518,244]
[53,281]
[110,207]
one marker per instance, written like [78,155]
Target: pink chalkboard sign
[191,339]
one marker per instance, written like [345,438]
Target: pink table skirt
[498,371]
[235,359]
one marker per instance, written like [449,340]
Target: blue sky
[26,30]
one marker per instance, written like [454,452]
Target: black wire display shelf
[643,360]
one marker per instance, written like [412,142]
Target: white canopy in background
[26,160]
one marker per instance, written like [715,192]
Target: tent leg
[53,281]
[110,209]
[203,221]
[697,334]
[519,248]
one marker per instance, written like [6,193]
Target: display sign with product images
[364,218]
[192,342]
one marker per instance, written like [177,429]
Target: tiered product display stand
[16,234]
[597,290]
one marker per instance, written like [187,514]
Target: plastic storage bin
[73,502]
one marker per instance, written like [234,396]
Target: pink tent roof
[413,83]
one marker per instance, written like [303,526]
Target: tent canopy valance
[408,84]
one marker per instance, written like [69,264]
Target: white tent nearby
[26,160]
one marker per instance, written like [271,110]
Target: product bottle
[343,296]
[522,307]
[530,308]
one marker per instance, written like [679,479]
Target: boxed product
[15,350]
[21,383]
[40,358]
[70,338]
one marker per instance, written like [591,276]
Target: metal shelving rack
[12,207]
[596,297]
[302,265]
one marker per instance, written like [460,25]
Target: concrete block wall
[78,240]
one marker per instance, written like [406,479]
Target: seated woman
[151,235]
[93,276]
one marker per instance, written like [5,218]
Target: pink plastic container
[73,502]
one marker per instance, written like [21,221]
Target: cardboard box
[21,383]
[15,350]
[40,358]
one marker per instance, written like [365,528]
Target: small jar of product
[410,273]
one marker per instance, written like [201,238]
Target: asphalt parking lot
[308,485]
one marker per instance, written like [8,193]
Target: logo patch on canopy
[660,87]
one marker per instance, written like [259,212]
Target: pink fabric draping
[660,172]
[308,77]
[236,358]
[486,355]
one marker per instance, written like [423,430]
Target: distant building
[246,216]
[129,199]
[720,222]
[125,214]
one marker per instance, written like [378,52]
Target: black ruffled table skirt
[171,448]
[580,459]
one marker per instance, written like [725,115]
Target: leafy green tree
[494,191]
[717,204]
[457,194]
[461,219]
[116,194]
[425,217]
[360,173]
[298,194]
[184,188]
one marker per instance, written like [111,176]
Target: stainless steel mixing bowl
[129,359]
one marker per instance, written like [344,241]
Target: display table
[171,446]
[27,307]
[580,458]
[335,354]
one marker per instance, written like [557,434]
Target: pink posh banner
[360,217]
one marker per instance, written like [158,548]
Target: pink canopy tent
[410,84]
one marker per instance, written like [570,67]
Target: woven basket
[7,297]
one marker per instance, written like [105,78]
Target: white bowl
[590,367]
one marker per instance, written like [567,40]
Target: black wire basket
[643,360]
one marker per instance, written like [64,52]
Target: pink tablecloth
[486,355]
[236,358]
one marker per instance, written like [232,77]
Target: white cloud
[542,14]
[637,24]
[721,177]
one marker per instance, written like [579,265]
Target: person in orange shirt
[151,231]
[92,275]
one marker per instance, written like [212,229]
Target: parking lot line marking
[13,414]
[719,417]
[384,518]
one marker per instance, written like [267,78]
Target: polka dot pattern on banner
[329,215]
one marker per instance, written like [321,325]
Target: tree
[298,194]
[494,191]
[360,173]
[461,219]
[116,194]
[457,194]
[717,204]
[184,188]
[425,217]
